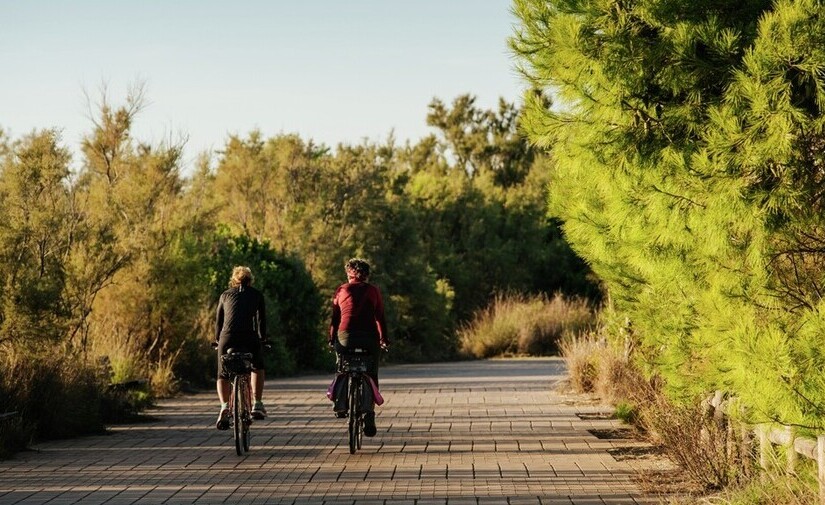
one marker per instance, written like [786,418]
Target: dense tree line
[687,140]
[117,264]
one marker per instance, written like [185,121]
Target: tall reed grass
[54,395]
[519,325]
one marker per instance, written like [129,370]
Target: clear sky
[330,70]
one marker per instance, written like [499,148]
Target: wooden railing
[769,435]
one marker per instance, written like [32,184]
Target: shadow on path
[450,433]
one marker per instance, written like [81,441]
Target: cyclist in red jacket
[358,321]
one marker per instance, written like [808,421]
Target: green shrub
[626,412]
[521,325]
[293,301]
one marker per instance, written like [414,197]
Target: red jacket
[358,306]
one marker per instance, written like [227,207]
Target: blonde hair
[241,276]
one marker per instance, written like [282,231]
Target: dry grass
[582,356]
[129,360]
[776,489]
[55,396]
[58,393]
[708,450]
[521,325]
[696,442]
[684,431]
[597,366]
[162,378]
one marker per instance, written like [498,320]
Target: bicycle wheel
[246,415]
[359,425]
[353,415]
[237,413]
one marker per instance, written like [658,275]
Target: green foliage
[484,143]
[36,220]
[486,210]
[686,141]
[122,260]
[627,412]
[429,217]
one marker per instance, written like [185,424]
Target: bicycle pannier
[337,392]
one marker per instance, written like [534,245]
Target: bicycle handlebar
[266,344]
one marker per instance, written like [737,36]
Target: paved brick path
[458,433]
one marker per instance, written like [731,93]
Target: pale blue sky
[333,71]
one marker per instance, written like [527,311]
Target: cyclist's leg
[258,372]
[372,366]
[258,376]
[339,384]
[369,416]
[369,342]
[223,386]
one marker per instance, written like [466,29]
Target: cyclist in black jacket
[241,324]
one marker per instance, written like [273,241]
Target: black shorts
[240,343]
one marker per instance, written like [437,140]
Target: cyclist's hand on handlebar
[214,345]
[266,344]
[385,346]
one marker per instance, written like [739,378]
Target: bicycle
[359,393]
[238,366]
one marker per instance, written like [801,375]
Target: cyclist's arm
[219,319]
[380,321]
[260,313]
[336,319]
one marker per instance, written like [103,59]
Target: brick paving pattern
[481,432]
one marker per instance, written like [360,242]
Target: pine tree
[688,170]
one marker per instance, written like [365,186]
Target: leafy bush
[520,325]
[293,302]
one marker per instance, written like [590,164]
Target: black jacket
[241,312]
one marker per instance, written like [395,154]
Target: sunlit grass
[518,325]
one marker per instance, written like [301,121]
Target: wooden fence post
[820,466]
[791,431]
[730,444]
[764,447]
[746,449]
